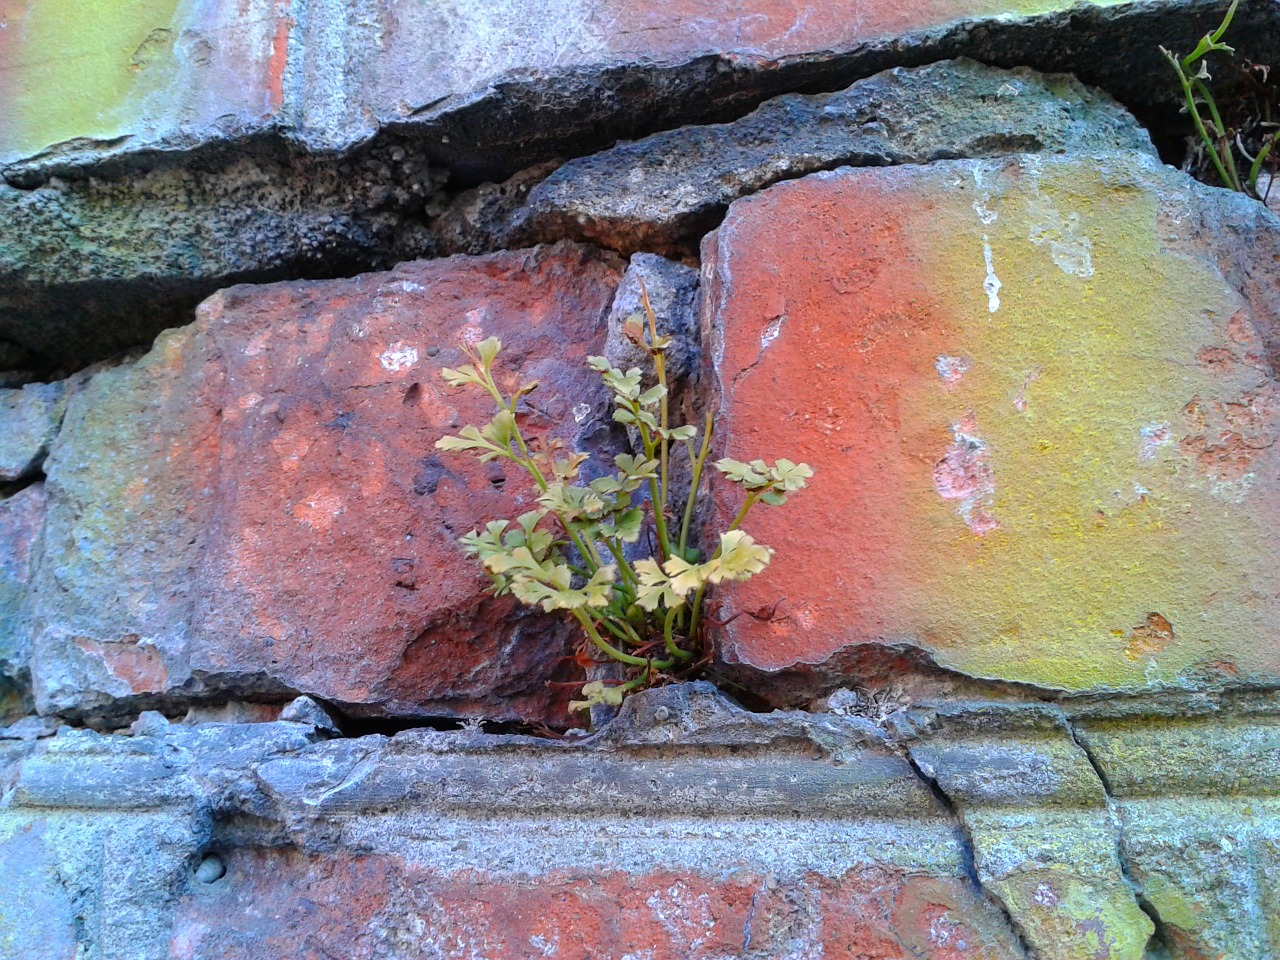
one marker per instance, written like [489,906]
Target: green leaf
[598,694]
[774,498]
[472,439]
[655,587]
[521,561]
[740,557]
[653,396]
[680,433]
[500,429]
[488,349]
[685,576]
[573,503]
[462,376]
[624,386]
[601,365]
[596,592]
[482,543]
[746,474]
[538,541]
[625,526]
[790,476]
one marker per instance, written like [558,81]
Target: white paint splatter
[771,331]
[991,285]
[951,369]
[981,204]
[399,356]
[1154,436]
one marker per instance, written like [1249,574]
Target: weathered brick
[256,507]
[1039,403]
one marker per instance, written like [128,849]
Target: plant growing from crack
[581,550]
[1220,141]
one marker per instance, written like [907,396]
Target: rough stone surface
[489,217]
[138,140]
[1038,400]
[256,508]
[483,84]
[1030,600]
[91,266]
[1044,844]
[1204,865]
[29,420]
[307,710]
[791,835]
[21,524]
[689,828]
[664,192]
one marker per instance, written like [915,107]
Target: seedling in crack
[610,552]
[1219,140]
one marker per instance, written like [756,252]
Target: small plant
[612,558]
[1248,133]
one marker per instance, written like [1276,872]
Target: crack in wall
[1158,944]
[969,854]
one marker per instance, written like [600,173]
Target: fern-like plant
[603,552]
[1219,141]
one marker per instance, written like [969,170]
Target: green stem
[624,568]
[666,637]
[1189,95]
[621,634]
[752,499]
[655,498]
[613,651]
[693,485]
[1256,169]
[1220,130]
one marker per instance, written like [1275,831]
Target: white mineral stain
[1069,248]
[399,356]
[992,283]
[580,412]
[771,331]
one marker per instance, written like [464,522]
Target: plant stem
[1189,95]
[613,651]
[1256,169]
[693,485]
[621,634]
[660,365]
[623,567]
[1223,145]
[752,498]
[666,637]
[655,498]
